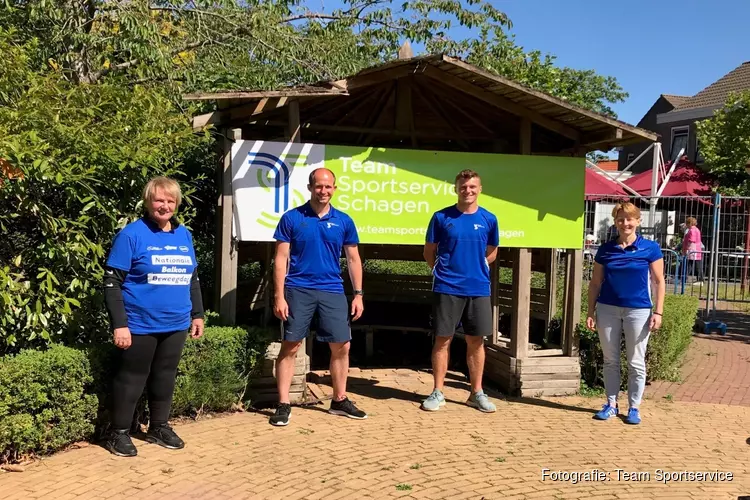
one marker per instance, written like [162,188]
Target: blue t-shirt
[315,247]
[462,239]
[626,273]
[160,265]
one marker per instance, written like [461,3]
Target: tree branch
[329,17]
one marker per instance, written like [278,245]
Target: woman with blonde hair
[153,298]
[620,303]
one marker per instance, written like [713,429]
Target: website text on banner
[392,193]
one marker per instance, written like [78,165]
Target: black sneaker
[347,409]
[120,444]
[163,435]
[282,415]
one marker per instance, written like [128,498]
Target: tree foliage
[725,144]
[82,154]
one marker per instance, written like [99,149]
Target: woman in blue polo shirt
[153,298]
[620,294]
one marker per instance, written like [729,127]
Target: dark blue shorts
[333,315]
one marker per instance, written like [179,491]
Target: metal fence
[718,272]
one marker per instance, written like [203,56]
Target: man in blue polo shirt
[307,280]
[461,244]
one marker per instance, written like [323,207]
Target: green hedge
[666,347]
[51,398]
[44,403]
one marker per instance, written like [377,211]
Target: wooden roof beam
[376,77]
[602,139]
[644,134]
[501,102]
[261,94]
[252,109]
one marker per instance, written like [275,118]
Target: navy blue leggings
[151,360]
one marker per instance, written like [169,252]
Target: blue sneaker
[634,417]
[434,401]
[481,401]
[608,411]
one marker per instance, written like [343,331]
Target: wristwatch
[359,292]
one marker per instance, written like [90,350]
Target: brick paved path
[401,451]
[716,368]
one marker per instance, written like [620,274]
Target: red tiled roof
[608,165]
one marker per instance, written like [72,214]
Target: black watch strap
[359,292]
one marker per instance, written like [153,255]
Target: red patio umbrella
[686,180]
[598,186]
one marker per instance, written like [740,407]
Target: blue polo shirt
[159,266]
[315,247]
[462,239]
[626,273]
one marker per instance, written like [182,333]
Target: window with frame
[698,155]
[680,137]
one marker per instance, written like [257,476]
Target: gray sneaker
[481,401]
[434,401]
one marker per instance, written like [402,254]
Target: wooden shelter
[432,102]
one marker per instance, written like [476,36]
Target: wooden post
[227,256]
[572,314]
[525,136]
[295,136]
[521,291]
[551,282]
[521,297]
[404,117]
[405,51]
[267,284]
[494,299]
[294,127]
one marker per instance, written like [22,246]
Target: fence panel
[716,269]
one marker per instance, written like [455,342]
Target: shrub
[668,346]
[214,370]
[49,399]
[44,403]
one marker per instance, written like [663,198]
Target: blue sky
[652,47]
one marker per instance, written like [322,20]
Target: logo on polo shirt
[184,249]
[169,247]
[477,226]
[331,224]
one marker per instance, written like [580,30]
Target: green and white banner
[392,193]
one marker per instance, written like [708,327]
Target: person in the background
[692,247]
[153,298]
[620,300]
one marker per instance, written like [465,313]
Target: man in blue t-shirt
[461,244]
[307,280]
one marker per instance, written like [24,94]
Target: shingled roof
[675,100]
[716,94]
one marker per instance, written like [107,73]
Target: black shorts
[332,310]
[472,315]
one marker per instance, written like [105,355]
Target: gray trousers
[611,323]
